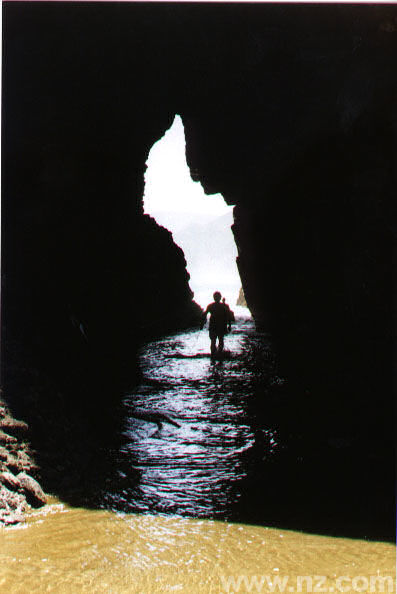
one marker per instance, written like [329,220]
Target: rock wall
[298,132]
[288,113]
[84,273]
[19,490]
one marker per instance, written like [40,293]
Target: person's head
[217,296]
[223,300]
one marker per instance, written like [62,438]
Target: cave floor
[230,441]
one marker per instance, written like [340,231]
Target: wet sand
[72,550]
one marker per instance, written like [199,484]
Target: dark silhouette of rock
[165,299]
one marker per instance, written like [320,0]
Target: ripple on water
[193,468]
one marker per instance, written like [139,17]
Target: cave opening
[200,224]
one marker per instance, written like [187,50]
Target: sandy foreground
[63,549]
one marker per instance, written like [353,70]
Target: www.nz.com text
[305,583]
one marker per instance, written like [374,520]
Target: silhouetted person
[219,322]
[230,315]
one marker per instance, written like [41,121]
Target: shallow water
[227,441]
[191,459]
[67,550]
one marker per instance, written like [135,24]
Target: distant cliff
[241,298]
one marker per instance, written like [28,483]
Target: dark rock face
[288,113]
[84,267]
[163,297]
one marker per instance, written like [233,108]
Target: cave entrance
[200,224]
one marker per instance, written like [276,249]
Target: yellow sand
[68,550]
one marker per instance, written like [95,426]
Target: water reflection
[189,431]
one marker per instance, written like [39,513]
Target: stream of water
[189,426]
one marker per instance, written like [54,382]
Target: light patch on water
[187,430]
